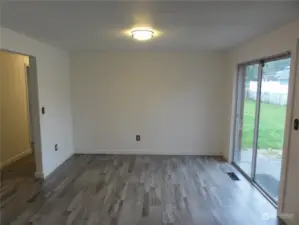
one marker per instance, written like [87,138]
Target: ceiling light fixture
[142,34]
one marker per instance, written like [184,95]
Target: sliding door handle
[296,124]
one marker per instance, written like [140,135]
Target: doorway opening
[261,100]
[17,137]
[20,140]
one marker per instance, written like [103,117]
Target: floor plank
[133,190]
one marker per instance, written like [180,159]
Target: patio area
[268,168]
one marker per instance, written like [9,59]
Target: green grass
[271,127]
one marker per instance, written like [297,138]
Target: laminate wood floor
[135,190]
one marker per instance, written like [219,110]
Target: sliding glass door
[262,93]
[246,117]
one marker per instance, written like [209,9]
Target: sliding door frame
[257,118]
[238,120]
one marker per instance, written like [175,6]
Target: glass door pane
[272,115]
[245,119]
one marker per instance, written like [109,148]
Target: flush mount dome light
[142,34]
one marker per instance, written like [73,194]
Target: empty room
[149,112]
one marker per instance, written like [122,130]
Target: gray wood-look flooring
[135,190]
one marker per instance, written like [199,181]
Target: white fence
[272,92]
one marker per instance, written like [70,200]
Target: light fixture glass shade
[142,34]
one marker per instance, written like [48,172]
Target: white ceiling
[185,25]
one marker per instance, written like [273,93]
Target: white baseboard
[15,158]
[145,152]
[40,175]
[288,219]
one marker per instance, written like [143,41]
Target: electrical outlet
[137,137]
[56,147]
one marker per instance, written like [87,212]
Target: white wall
[173,100]
[292,197]
[14,116]
[276,42]
[53,77]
